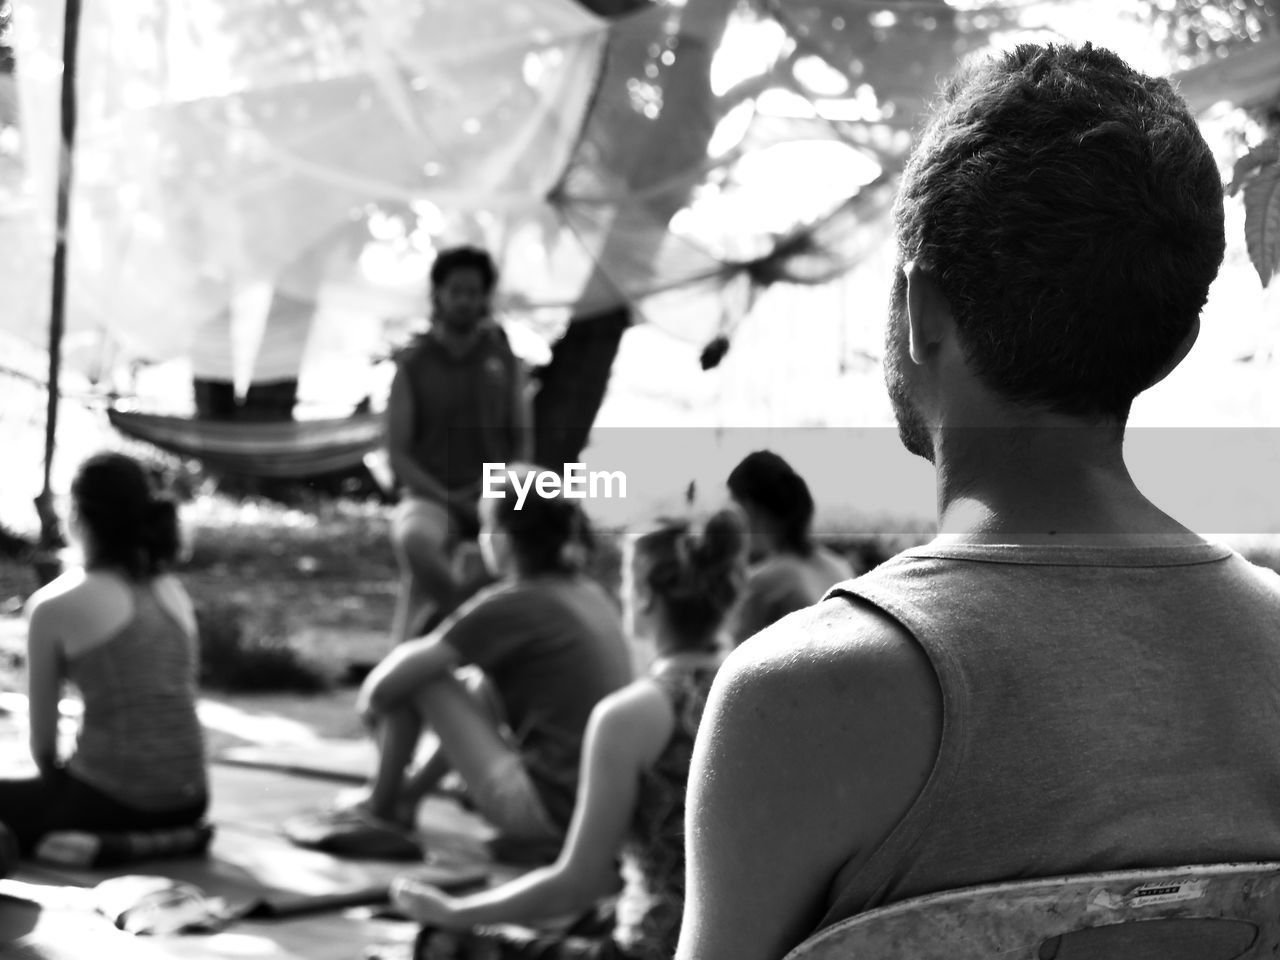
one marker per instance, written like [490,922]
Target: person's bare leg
[426,578]
[398,735]
[415,606]
[426,778]
[435,765]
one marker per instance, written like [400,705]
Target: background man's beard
[461,320]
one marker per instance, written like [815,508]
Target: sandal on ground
[357,798]
[353,833]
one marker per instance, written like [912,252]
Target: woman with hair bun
[680,584]
[506,683]
[122,630]
[789,571]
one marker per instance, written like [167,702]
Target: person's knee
[419,524]
[410,539]
[423,554]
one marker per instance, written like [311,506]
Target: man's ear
[928,312]
[1178,355]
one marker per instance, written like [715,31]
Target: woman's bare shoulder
[80,606]
[640,715]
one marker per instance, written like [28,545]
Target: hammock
[292,450]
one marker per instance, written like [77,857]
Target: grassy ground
[325,578]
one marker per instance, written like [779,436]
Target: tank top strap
[878,590]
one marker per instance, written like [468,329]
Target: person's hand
[425,903]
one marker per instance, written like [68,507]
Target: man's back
[1102,708]
[1058,227]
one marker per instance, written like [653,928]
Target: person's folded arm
[404,671]
[484,631]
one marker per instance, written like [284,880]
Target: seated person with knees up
[1066,680]
[548,644]
[789,571]
[123,631]
[458,401]
[680,583]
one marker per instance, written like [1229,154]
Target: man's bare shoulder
[848,671]
[839,632]
[847,668]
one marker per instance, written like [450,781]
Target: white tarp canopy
[304,159]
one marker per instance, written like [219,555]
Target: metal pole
[47,562]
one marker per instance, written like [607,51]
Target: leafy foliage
[1202,29]
[1258,171]
[240,653]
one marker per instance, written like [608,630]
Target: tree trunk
[574,384]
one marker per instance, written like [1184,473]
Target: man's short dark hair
[1071,212]
[464,258]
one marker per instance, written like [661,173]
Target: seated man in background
[789,571]
[1067,679]
[458,400]
[542,646]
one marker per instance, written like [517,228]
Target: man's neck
[1048,482]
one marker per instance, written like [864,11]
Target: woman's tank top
[140,740]
[652,902]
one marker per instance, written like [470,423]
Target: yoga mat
[338,761]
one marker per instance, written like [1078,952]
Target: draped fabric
[322,151]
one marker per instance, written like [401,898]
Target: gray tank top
[1103,708]
[140,740]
